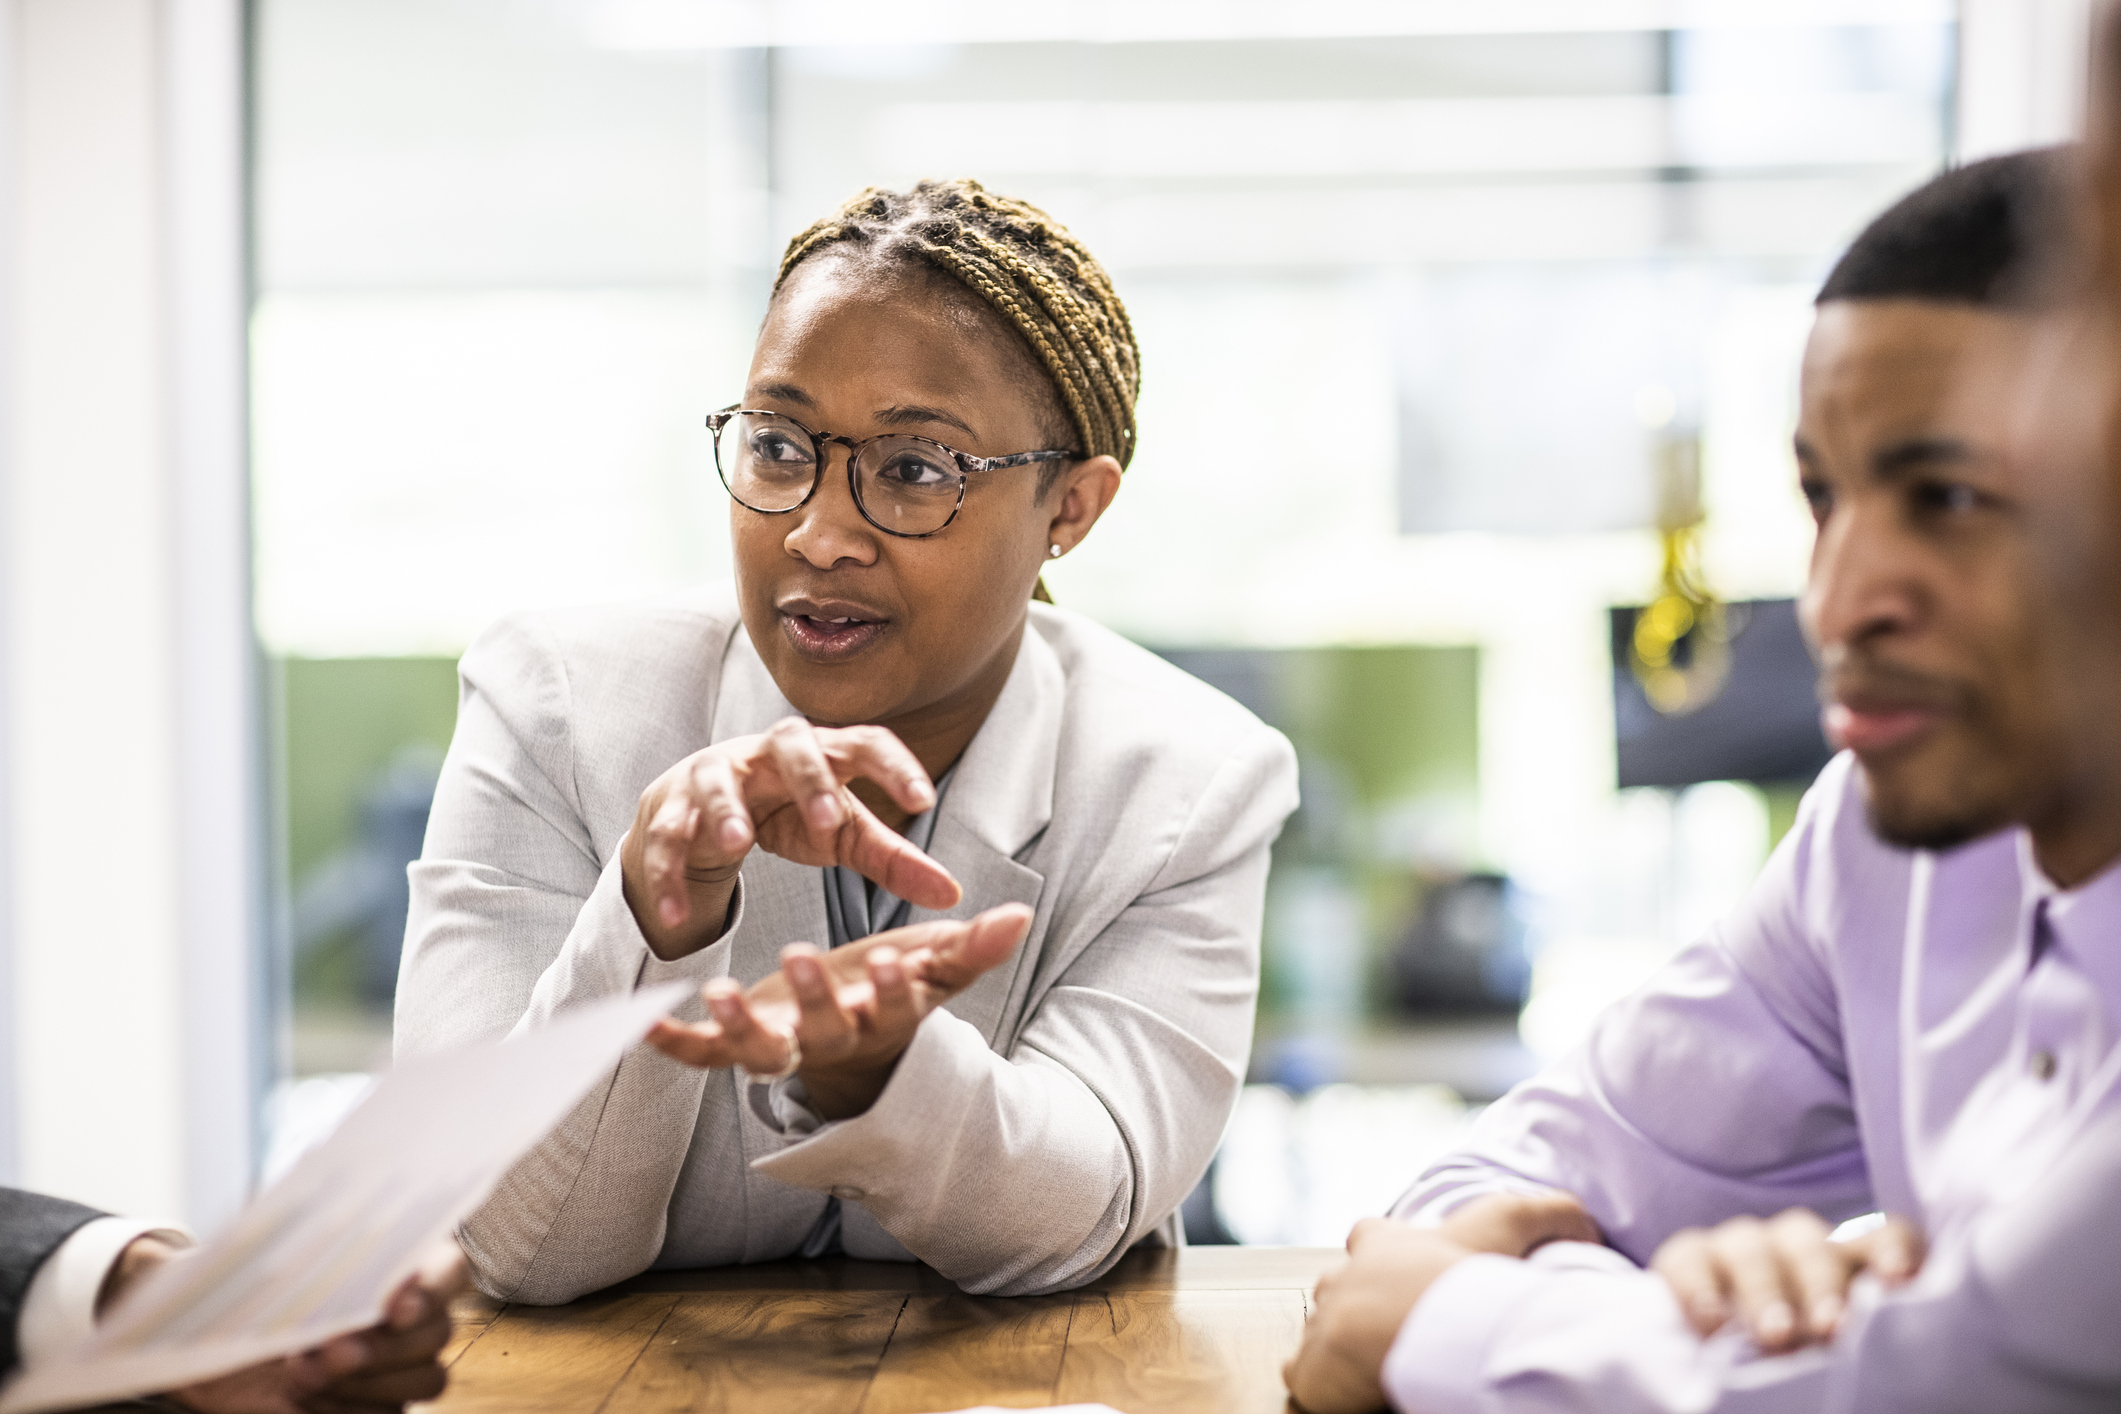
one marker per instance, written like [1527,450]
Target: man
[1914,1011]
[62,1266]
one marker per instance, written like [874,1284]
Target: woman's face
[929,624]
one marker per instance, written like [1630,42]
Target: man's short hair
[1973,236]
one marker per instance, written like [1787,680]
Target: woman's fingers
[1688,1265]
[806,775]
[822,1023]
[876,754]
[875,851]
[752,1044]
[724,819]
[897,1011]
[665,846]
[733,1034]
[702,1047]
[963,955]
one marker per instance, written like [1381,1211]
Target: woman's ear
[1084,491]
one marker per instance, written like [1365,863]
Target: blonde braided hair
[1028,269]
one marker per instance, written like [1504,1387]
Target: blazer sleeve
[513,918]
[1749,1014]
[1035,1171]
[32,1227]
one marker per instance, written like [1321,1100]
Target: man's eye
[1947,497]
[1820,497]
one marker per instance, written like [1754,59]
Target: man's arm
[2013,1309]
[33,1229]
[1720,1088]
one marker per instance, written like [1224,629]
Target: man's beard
[1933,830]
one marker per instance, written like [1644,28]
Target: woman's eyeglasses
[907,486]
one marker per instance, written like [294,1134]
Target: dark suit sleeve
[31,1228]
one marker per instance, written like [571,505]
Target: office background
[336,328]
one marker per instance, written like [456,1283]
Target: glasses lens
[908,485]
[767,462]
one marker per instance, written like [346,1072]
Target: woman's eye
[914,471]
[778,447]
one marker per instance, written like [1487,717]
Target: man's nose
[831,530]
[1862,583]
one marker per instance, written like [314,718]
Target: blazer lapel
[999,801]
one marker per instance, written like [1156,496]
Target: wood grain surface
[1204,1328]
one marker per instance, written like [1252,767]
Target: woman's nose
[830,530]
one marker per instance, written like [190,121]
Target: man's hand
[1783,1279]
[1514,1224]
[852,1011]
[367,1372]
[786,791]
[1361,1306]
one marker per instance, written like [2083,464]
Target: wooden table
[1205,1328]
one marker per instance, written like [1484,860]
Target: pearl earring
[1053,552]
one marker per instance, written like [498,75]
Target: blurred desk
[1205,1328]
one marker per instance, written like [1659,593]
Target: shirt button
[855,1195]
[2042,1065]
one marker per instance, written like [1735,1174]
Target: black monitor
[1763,726]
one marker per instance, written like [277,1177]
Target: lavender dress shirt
[1927,1033]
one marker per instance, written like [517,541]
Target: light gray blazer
[1052,1116]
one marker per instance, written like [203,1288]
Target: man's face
[1920,602]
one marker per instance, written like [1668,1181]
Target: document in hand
[316,1254]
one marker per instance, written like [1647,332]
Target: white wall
[131,795]
[2022,70]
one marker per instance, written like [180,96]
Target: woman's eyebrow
[784,393]
[904,415]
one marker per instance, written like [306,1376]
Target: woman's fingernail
[887,973]
[673,913]
[732,834]
[923,794]
[1826,1312]
[823,811]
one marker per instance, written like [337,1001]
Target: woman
[877,729]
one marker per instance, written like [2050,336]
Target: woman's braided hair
[1026,266]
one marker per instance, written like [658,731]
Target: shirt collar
[2086,920]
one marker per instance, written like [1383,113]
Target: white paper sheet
[317,1254]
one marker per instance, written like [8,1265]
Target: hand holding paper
[323,1252]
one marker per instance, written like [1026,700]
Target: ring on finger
[795,1063]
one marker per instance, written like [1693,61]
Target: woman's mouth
[829,638]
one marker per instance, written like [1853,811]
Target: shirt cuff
[59,1309]
[1438,1362]
[1445,1354]
[893,1141]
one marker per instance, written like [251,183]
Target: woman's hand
[785,790]
[1784,1279]
[852,1011]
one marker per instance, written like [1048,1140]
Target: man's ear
[1080,497]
